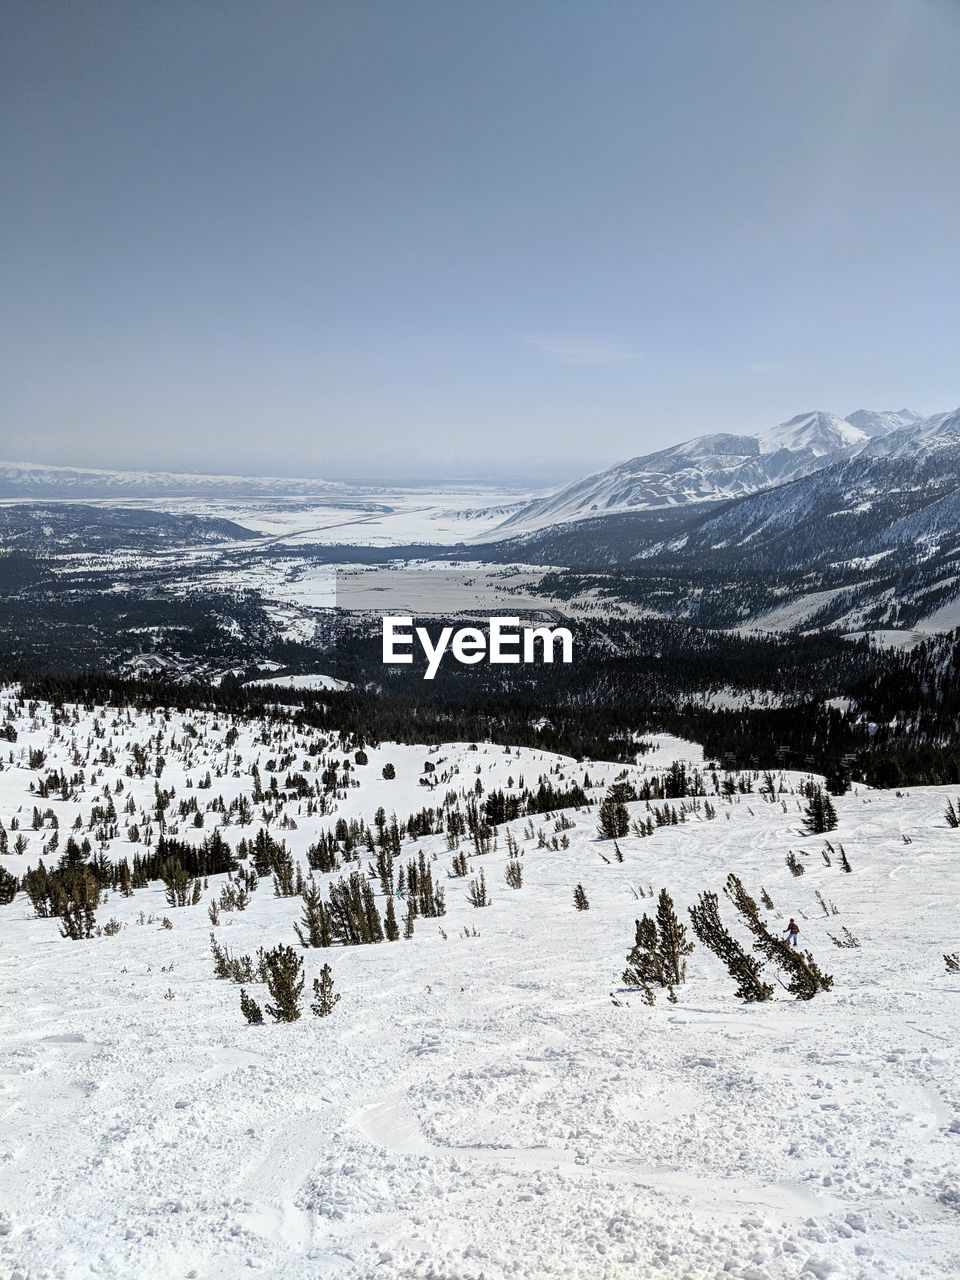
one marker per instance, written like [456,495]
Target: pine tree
[837,780]
[744,969]
[284,874]
[658,955]
[829,813]
[672,944]
[75,895]
[614,820]
[820,814]
[8,886]
[324,998]
[314,929]
[580,898]
[284,973]
[459,866]
[226,965]
[353,911]
[644,968]
[805,978]
[250,1009]
[221,966]
[390,927]
[385,872]
[125,883]
[178,888]
[477,892]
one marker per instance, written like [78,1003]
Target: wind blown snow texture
[477,1106]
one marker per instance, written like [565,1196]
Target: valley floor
[478,1106]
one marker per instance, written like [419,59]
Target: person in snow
[792,930]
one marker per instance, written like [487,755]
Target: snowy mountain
[870,539]
[866,505]
[710,468]
[882,423]
[37,480]
[820,434]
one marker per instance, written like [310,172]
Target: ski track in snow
[477,1107]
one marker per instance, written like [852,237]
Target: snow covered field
[367,515]
[303,682]
[478,1106]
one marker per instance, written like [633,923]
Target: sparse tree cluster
[660,949]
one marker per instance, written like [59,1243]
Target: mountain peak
[881,422]
[816,433]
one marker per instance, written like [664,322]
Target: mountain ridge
[42,480]
[715,467]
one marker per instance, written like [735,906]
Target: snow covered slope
[478,1105]
[709,468]
[907,495]
[881,423]
[816,433]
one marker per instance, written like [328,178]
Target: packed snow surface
[487,1099]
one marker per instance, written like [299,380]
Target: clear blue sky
[462,237]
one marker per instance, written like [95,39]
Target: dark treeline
[363,716]
[899,725]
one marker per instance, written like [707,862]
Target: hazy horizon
[477,240]
[503,476]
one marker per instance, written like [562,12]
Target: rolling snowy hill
[488,1098]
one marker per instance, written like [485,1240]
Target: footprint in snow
[428,1044]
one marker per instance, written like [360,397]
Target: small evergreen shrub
[477,892]
[250,1009]
[820,814]
[324,998]
[514,873]
[284,973]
